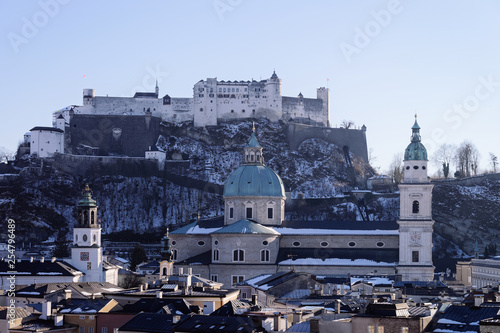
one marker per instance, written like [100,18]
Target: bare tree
[467,159]
[444,156]
[347,124]
[396,168]
[5,155]
[494,161]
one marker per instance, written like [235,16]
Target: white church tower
[86,252]
[415,218]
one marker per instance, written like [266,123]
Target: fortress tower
[415,218]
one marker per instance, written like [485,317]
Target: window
[174,255]
[82,329]
[92,217]
[216,255]
[82,317]
[352,244]
[214,277]
[237,278]
[324,244]
[265,243]
[270,213]
[104,330]
[415,207]
[264,255]
[238,255]
[164,271]
[201,243]
[404,330]
[174,242]
[91,330]
[414,256]
[380,329]
[89,266]
[249,213]
[296,243]
[243,295]
[380,244]
[371,329]
[231,212]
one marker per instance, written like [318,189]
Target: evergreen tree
[61,249]
[137,257]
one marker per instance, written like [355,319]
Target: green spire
[86,200]
[415,150]
[253,143]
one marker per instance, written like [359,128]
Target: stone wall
[353,138]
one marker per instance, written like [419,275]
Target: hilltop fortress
[215,101]
[131,126]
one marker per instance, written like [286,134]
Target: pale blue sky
[426,56]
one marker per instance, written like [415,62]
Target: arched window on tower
[85,217]
[415,207]
[92,217]
[164,271]
[264,255]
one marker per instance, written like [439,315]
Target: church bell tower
[86,251]
[415,218]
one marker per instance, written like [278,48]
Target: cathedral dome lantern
[254,191]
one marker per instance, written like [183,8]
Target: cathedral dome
[254,180]
[415,150]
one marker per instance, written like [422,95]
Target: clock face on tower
[84,256]
[415,236]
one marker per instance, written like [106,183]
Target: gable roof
[200,323]
[149,322]
[159,304]
[459,318]
[38,268]
[86,305]
[83,289]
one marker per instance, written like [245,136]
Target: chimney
[31,259]
[314,322]
[255,299]
[181,271]
[53,259]
[190,271]
[159,294]
[67,294]
[58,320]
[46,310]
[141,288]
[478,300]
[338,304]
[297,317]
[42,259]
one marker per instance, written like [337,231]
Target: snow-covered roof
[334,262]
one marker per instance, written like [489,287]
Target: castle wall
[216,101]
[353,138]
[306,110]
[113,134]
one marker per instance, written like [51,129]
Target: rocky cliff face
[43,204]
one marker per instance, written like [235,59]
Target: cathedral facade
[253,237]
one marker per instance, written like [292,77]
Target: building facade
[214,101]
[253,238]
